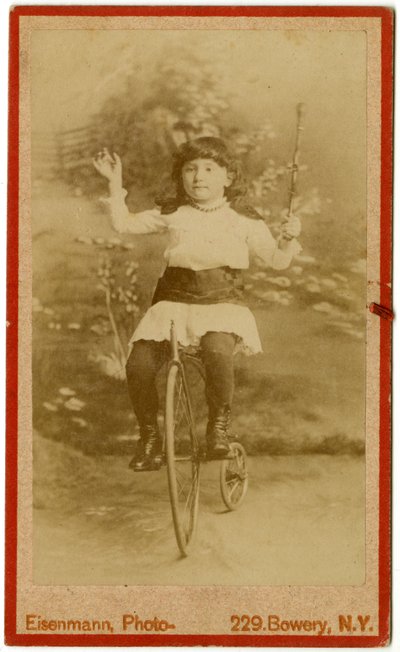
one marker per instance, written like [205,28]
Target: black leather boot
[217,432]
[148,456]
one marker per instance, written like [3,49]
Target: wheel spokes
[234,486]
[183,420]
[187,494]
[234,477]
[186,461]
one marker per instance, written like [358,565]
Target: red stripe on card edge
[11,637]
[385,326]
[111,10]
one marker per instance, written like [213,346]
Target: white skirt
[192,321]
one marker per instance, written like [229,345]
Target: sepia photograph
[199,249]
[177,178]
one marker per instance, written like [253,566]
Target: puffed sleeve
[265,249]
[150,221]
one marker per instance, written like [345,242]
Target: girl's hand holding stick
[291,227]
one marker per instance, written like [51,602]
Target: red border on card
[11,636]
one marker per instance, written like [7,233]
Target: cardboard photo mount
[27,604]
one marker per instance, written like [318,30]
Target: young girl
[211,234]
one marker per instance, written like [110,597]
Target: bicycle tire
[182,457]
[234,477]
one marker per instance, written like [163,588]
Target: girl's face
[204,180]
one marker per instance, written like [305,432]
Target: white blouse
[205,240]
[200,240]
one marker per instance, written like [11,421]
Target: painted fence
[64,154]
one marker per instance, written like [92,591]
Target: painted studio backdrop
[299,406]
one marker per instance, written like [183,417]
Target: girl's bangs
[204,148]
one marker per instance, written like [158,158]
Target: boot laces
[220,426]
[151,439]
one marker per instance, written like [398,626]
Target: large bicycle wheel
[234,477]
[183,457]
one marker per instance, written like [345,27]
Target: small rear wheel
[234,477]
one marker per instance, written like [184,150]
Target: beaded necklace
[203,209]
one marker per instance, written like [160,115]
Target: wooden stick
[296,156]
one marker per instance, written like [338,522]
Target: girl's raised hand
[109,166]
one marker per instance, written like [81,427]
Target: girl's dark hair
[211,148]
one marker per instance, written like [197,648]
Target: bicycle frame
[184,484]
[176,360]
[174,344]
